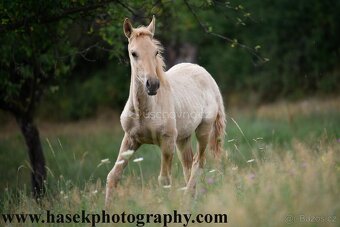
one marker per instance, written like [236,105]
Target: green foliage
[103,88]
[297,42]
[43,40]
[31,51]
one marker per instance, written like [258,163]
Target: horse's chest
[143,130]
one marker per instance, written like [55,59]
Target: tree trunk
[32,139]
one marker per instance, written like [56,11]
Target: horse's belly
[186,125]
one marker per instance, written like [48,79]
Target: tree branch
[206,30]
[127,8]
[53,18]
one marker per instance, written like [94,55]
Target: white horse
[165,108]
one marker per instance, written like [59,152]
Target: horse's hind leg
[186,156]
[116,172]
[202,134]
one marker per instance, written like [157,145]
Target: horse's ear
[152,25]
[127,27]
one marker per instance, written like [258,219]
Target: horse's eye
[134,54]
[156,53]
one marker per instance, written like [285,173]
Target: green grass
[295,171]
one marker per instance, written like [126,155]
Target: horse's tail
[218,130]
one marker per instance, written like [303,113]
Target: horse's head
[144,55]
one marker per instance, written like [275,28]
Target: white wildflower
[128,153]
[250,160]
[138,159]
[103,161]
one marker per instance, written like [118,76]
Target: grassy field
[281,166]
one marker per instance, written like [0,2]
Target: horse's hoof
[164,181]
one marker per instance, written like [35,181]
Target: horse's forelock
[140,31]
[144,31]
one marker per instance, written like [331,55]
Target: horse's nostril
[148,84]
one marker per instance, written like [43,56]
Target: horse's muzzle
[152,85]
[151,93]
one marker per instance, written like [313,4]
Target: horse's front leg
[168,149]
[115,174]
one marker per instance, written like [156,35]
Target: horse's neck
[142,103]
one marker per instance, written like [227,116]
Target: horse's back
[196,95]
[192,75]
[186,69]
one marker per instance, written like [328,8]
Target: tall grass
[274,168]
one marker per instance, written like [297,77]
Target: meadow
[281,166]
